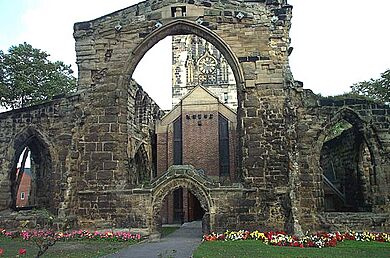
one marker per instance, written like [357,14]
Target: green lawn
[75,248]
[71,248]
[253,248]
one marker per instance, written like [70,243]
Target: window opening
[224,160]
[225,97]
[177,142]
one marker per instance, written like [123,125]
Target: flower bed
[318,240]
[72,235]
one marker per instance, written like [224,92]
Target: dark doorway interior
[195,210]
[348,172]
[178,212]
[181,206]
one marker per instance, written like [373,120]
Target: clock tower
[197,62]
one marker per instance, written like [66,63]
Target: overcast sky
[336,42]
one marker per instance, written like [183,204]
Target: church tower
[196,62]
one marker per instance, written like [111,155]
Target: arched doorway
[347,160]
[180,206]
[197,200]
[33,185]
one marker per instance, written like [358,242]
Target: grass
[253,248]
[72,248]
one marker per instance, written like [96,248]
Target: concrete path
[179,244]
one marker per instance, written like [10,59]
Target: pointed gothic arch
[41,190]
[184,27]
[142,165]
[360,128]
[360,124]
[185,177]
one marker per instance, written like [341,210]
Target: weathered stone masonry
[100,141]
[48,127]
[371,121]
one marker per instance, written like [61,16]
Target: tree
[375,89]
[27,77]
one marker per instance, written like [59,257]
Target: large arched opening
[348,158]
[31,187]
[186,27]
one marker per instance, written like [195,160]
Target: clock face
[207,64]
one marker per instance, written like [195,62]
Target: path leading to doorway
[179,244]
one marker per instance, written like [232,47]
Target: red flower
[22,251]
[1,251]
[310,244]
[221,237]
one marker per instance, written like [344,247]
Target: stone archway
[184,27]
[185,177]
[41,190]
[365,136]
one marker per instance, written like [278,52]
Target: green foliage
[337,129]
[27,77]
[375,89]
[346,95]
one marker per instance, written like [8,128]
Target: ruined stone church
[244,147]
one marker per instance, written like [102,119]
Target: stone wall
[76,144]
[315,117]
[49,130]
[254,39]
[120,157]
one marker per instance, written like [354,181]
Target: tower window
[225,97]
[177,142]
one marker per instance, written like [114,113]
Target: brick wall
[200,136]
[24,188]
[200,141]
[162,153]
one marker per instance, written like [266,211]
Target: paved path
[179,244]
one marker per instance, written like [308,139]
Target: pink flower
[22,251]
[1,251]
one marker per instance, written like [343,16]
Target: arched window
[31,172]
[224,159]
[348,171]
